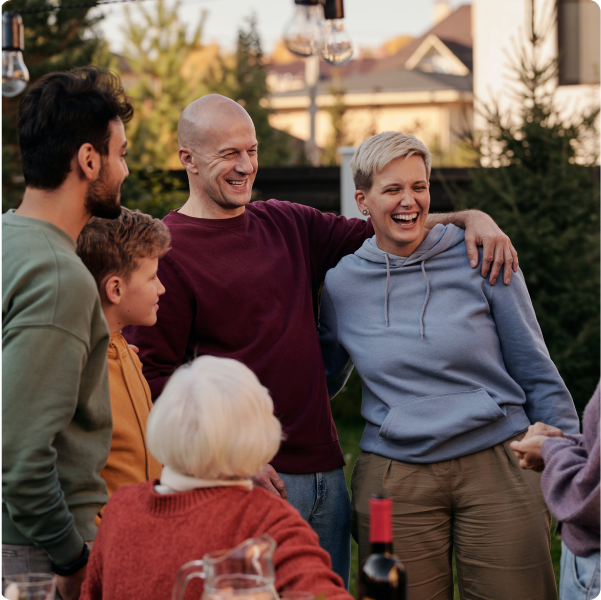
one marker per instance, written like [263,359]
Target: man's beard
[102,198]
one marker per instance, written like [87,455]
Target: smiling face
[398,202]
[227,162]
[139,301]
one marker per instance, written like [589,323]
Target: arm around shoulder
[481,230]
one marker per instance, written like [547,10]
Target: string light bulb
[304,34]
[15,75]
[337,48]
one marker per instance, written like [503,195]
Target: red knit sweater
[145,537]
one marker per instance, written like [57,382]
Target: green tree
[541,186]
[54,41]
[157,46]
[243,79]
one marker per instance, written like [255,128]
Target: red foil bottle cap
[380,530]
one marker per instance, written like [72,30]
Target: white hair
[214,420]
[377,151]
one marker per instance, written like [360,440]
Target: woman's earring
[364,212]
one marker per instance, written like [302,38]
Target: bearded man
[56,411]
[242,282]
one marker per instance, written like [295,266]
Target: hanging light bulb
[337,48]
[15,75]
[304,34]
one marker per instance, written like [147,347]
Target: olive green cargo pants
[484,506]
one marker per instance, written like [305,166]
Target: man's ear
[89,161]
[360,200]
[113,289]
[187,159]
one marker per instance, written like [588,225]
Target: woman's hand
[528,451]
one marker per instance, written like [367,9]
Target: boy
[123,256]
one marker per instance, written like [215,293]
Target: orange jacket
[129,461]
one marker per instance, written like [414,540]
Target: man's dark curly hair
[59,114]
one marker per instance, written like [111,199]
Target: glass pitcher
[243,573]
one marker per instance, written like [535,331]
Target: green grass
[349,434]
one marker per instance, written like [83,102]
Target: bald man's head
[218,148]
[201,119]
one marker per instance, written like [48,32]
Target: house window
[578,41]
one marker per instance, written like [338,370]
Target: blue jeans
[579,576]
[323,501]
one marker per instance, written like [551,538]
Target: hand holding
[70,587]
[268,479]
[543,429]
[497,249]
[528,451]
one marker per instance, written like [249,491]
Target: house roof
[391,81]
[455,31]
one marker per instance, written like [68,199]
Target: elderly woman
[452,369]
[213,427]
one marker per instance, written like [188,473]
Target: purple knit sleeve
[570,480]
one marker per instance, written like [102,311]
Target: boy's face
[140,295]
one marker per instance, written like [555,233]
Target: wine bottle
[382,575]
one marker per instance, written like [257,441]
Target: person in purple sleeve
[242,282]
[570,484]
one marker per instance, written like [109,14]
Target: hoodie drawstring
[387,289]
[421,318]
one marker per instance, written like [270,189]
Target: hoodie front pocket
[429,421]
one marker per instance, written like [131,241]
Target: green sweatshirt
[56,411]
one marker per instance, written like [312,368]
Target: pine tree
[156,49]
[54,41]
[541,185]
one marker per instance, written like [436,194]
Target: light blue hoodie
[450,365]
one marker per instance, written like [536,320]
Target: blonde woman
[452,369]
[212,427]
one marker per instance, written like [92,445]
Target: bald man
[242,282]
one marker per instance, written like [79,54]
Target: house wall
[497,28]
[436,124]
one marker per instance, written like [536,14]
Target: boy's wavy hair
[114,246]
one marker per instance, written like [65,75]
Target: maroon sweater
[246,288]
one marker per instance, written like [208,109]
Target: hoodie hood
[440,238]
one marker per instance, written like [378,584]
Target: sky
[369,23]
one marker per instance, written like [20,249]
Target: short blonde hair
[214,420]
[377,151]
